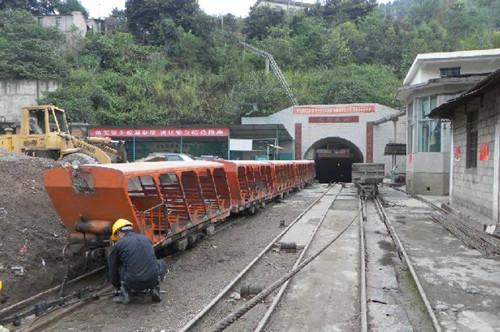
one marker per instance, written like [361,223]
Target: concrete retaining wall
[15,94]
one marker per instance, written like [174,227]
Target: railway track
[403,255]
[207,318]
[364,314]
[382,216]
[28,314]
[44,309]
[201,319]
[267,299]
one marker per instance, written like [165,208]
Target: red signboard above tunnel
[159,132]
[334,109]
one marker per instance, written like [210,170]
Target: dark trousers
[140,285]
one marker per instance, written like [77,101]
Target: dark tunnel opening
[334,157]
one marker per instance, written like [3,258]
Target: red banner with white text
[159,132]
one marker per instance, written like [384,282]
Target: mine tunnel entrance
[334,157]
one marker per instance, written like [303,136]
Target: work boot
[155,294]
[122,297]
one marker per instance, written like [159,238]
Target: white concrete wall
[66,22]
[15,94]
[434,164]
[279,5]
[470,66]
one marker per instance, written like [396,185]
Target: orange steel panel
[247,182]
[108,200]
[161,199]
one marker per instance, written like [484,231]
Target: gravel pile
[31,235]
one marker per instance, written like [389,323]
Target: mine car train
[172,203]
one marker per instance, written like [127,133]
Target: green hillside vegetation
[169,63]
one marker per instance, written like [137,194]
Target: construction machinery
[43,132]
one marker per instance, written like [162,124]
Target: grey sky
[102,8]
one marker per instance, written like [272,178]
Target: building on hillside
[475,166]
[284,4]
[336,136]
[433,79]
[68,24]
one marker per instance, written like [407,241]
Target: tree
[382,40]
[338,11]
[144,17]
[117,21]
[260,19]
[28,50]
[66,7]
[35,7]
[346,84]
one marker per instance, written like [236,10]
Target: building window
[471,154]
[411,123]
[58,21]
[449,72]
[429,131]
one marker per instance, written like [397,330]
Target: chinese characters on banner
[333,119]
[337,109]
[159,132]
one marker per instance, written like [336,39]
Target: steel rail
[283,288]
[234,316]
[402,250]
[229,286]
[48,291]
[43,322]
[362,249]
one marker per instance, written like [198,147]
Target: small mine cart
[366,177]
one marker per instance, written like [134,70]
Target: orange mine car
[171,202]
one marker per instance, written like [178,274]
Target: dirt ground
[195,276]
[31,234]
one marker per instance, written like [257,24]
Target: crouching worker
[132,264]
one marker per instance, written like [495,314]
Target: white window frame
[422,107]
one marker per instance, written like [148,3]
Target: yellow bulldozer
[43,132]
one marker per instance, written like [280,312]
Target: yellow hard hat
[119,224]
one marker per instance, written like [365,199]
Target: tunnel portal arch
[334,157]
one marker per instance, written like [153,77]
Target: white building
[338,135]
[433,79]
[283,4]
[475,166]
[68,24]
